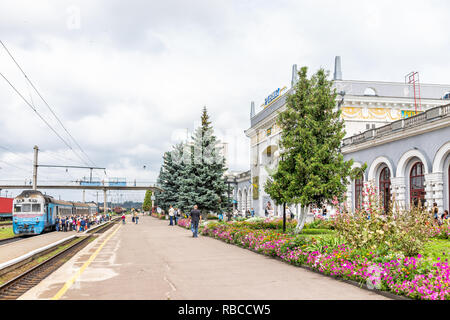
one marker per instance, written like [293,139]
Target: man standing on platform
[195,220]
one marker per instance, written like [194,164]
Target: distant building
[365,105]
[241,190]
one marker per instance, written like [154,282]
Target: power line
[42,98]
[39,115]
[15,153]
[59,156]
[13,165]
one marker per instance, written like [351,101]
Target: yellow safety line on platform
[70,282]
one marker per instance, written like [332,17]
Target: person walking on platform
[177,215]
[195,220]
[171,215]
[136,217]
[57,223]
[123,218]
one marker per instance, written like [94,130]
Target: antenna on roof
[413,78]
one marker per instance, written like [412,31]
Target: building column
[398,189]
[349,200]
[434,187]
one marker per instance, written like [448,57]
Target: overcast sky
[128,78]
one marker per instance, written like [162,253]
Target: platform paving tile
[152,260]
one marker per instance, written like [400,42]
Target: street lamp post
[153,202]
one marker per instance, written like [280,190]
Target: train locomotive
[34,212]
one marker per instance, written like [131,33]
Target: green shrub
[371,228]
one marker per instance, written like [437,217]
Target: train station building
[367,106]
[407,160]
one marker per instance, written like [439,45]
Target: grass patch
[6,232]
[437,248]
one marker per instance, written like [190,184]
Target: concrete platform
[16,249]
[152,260]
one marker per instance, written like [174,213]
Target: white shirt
[171,212]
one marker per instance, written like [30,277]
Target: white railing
[404,123]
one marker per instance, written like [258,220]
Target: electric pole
[35,166]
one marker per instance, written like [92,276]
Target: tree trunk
[301,219]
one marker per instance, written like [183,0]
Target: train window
[17,208]
[26,207]
[36,208]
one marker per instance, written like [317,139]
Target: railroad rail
[9,240]
[14,288]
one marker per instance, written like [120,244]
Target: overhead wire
[39,115]
[15,153]
[48,106]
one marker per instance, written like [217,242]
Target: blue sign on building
[273,96]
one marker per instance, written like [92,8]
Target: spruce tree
[202,177]
[169,178]
[158,194]
[312,169]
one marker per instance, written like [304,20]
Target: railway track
[9,240]
[20,284]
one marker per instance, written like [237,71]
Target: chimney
[337,68]
[294,75]
[252,110]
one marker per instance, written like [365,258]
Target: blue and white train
[34,212]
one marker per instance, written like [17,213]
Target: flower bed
[414,277]
[159,215]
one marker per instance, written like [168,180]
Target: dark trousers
[171,220]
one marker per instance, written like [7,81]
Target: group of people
[174,215]
[134,217]
[194,214]
[439,218]
[315,210]
[79,223]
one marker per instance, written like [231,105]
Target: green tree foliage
[202,176]
[169,178]
[147,205]
[312,168]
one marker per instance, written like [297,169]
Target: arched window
[385,188]
[359,185]
[417,184]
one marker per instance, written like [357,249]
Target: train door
[49,215]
